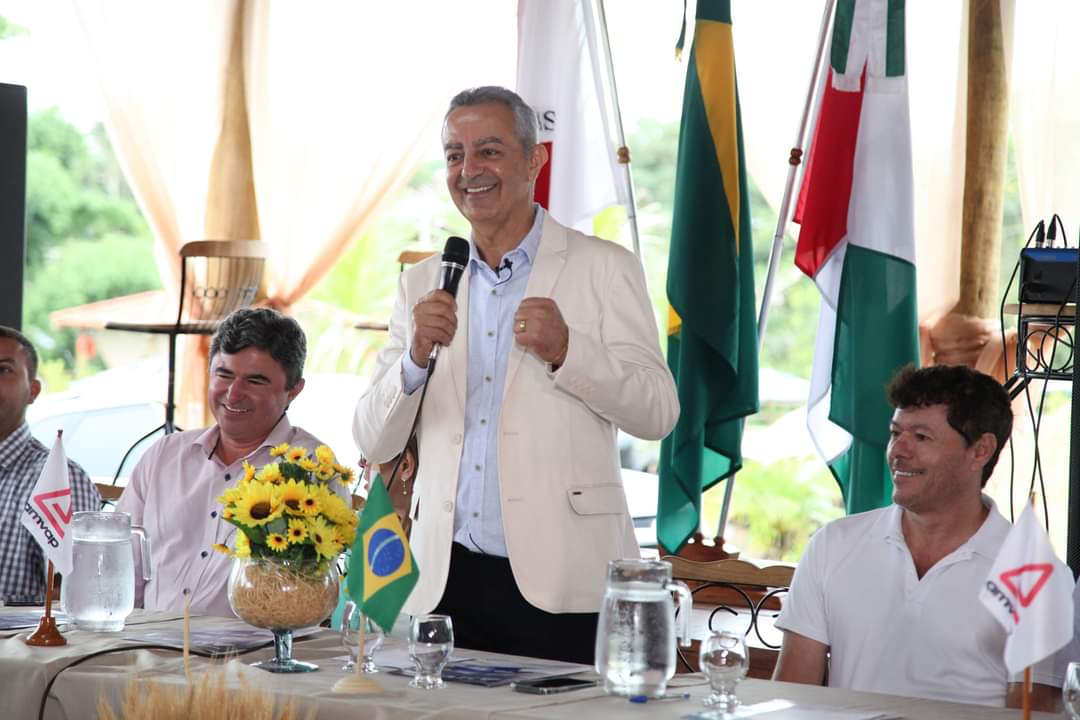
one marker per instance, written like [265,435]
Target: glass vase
[282,596]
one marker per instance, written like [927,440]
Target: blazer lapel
[549,263]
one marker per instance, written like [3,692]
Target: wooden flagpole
[358,683]
[47,634]
[777,250]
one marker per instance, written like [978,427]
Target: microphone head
[456,251]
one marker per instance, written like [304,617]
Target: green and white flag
[857,242]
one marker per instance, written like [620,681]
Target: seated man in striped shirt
[22,564]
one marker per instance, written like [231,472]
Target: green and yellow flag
[712,330]
[382,570]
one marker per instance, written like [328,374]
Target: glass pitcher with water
[99,593]
[635,638]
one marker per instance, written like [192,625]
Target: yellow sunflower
[345,535]
[298,531]
[322,536]
[259,505]
[232,495]
[324,472]
[337,510]
[228,513]
[249,472]
[222,548]
[345,474]
[292,495]
[243,545]
[308,464]
[325,455]
[312,502]
[296,454]
[277,542]
[279,450]
[269,474]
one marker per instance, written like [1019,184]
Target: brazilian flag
[712,328]
[382,570]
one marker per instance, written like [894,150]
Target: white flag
[561,69]
[47,513]
[1029,591]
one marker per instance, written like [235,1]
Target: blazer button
[457,439]
[448,506]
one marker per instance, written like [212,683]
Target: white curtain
[1044,112]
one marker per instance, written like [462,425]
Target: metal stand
[1039,326]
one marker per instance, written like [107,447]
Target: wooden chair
[731,586]
[109,493]
[216,277]
[405,258]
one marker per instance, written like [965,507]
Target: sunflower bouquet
[287,510]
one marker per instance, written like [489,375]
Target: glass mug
[99,593]
[1070,694]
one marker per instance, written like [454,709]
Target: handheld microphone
[454,259]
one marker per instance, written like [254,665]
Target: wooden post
[984,165]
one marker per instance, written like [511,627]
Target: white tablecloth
[25,672]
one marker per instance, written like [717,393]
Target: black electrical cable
[126,648]
[1037,231]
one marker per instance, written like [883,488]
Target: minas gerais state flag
[382,570]
[712,328]
[858,244]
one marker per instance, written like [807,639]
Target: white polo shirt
[856,590]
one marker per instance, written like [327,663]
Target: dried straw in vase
[207,699]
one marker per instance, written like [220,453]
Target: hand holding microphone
[435,315]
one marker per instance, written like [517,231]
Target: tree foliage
[86,239]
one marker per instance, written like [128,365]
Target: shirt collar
[528,245]
[12,444]
[207,441]
[986,540]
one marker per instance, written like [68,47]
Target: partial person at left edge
[256,371]
[22,563]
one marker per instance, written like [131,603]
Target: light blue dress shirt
[493,300]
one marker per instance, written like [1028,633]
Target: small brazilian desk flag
[382,570]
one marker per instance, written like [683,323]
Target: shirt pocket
[597,499]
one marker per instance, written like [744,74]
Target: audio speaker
[12,202]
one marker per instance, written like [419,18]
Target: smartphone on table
[552,685]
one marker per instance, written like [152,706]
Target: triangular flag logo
[1026,598]
[63,511]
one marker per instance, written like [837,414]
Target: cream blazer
[563,507]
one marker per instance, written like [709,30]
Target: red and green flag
[712,328]
[382,570]
[857,242]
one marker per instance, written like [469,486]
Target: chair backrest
[731,586]
[217,277]
[109,493]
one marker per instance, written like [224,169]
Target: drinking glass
[431,640]
[724,661]
[373,639]
[1070,694]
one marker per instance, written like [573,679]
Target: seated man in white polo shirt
[887,601]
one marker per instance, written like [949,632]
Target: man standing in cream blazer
[548,349]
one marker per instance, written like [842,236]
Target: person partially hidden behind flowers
[401,487]
[256,371]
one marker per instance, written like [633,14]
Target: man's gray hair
[265,329]
[525,127]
